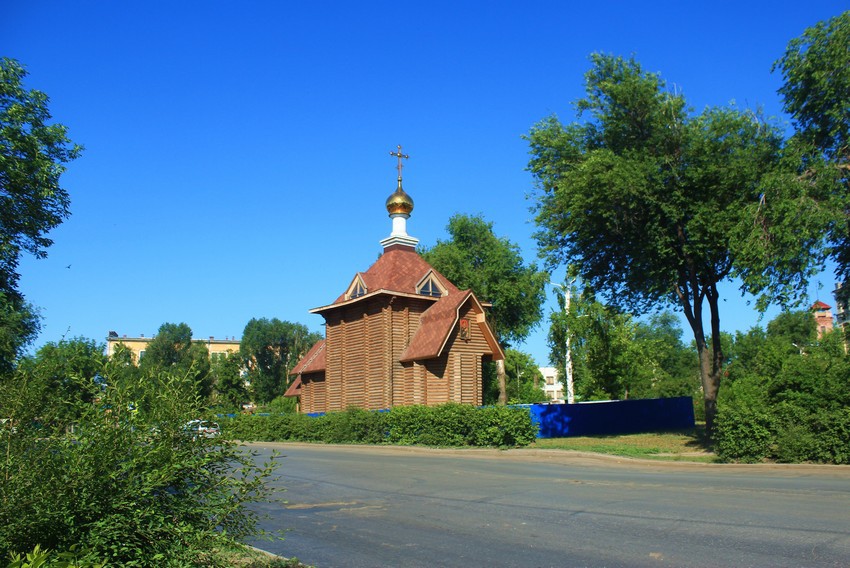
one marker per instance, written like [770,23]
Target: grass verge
[249,557]
[683,445]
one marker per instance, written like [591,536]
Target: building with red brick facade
[399,334]
[823,317]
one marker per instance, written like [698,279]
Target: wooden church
[399,334]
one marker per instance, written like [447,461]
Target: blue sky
[237,153]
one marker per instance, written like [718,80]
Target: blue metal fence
[613,417]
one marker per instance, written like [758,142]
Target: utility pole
[568,358]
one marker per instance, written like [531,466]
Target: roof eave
[329,307]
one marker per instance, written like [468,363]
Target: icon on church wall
[464,329]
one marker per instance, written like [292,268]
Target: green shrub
[743,434]
[39,557]
[405,424]
[784,432]
[836,429]
[123,480]
[354,426]
[447,425]
[821,436]
[504,426]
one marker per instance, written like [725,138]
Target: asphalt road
[350,506]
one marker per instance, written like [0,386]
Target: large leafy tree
[616,356]
[32,154]
[674,369]
[492,267]
[523,383]
[657,205]
[270,348]
[816,93]
[228,383]
[67,373]
[174,351]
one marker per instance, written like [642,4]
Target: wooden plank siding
[437,380]
[466,360]
[313,393]
[376,354]
[364,342]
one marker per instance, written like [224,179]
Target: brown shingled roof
[436,325]
[313,361]
[294,389]
[434,328]
[398,270]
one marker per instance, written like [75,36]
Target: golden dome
[399,202]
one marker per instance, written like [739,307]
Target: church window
[358,291]
[430,287]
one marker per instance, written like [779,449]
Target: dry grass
[686,445]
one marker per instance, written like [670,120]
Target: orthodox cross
[399,155]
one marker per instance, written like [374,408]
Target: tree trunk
[711,385]
[502,376]
[710,359]
[709,382]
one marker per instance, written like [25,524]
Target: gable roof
[312,362]
[437,324]
[295,388]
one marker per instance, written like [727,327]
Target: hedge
[447,425]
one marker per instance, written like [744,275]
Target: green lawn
[683,445]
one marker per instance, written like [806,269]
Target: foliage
[490,393]
[657,205]
[270,348]
[787,398]
[524,379]
[744,434]
[68,372]
[492,267]
[354,426]
[282,404]
[445,425]
[19,326]
[227,381]
[173,350]
[39,557]
[816,93]
[817,85]
[674,368]
[118,476]
[32,157]
[504,426]
[617,357]
[475,258]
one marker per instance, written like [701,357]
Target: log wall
[364,344]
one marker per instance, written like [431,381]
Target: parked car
[201,429]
